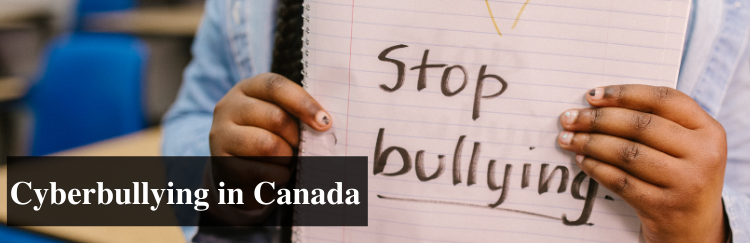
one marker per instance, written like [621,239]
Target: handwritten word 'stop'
[411,81]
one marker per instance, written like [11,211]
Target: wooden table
[145,143]
[21,12]
[11,88]
[17,16]
[163,21]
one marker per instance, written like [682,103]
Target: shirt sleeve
[186,126]
[737,208]
[208,77]
[733,116]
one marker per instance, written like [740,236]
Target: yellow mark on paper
[493,17]
[517,17]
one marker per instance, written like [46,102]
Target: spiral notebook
[456,103]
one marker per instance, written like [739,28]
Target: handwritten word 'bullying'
[381,159]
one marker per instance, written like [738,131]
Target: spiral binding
[297,231]
[305,43]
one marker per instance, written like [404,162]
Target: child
[662,150]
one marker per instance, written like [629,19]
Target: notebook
[457,103]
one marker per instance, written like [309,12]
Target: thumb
[278,90]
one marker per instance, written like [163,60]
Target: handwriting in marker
[493,17]
[470,205]
[519,14]
[494,22]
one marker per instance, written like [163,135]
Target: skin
[653,146]
[259,116]
[658,150]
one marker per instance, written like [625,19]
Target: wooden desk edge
[12,88]
[143,143]
[23,13]
[102,233]
[177,21]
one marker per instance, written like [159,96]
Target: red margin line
[348,95]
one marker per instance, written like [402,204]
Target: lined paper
[548,53]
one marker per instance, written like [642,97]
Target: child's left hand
[658,150]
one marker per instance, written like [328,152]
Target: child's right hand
[259,117]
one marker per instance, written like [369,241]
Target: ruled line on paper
[519,14]
[540,69]
[403,199]
[529,20]
[440,108]
[435,92]
[582,103]
[536,94]
[474,48]
[445,124]
[507,202]
[493,18]
[604,10]
[471,200]
[496,65]
[492,216]
[557,177]
[499,158]
[663,56]
[467,229]
[545,5]
[515,35]
[487,49]
[454,139]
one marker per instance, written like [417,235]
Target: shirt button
[737,4]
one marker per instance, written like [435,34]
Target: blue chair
[86,7]
[9,234]
[96,6]
[90,90]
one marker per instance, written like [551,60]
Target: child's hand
[658,150]
[259,117]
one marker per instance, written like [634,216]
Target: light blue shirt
[235,42]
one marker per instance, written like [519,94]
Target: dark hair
[287,52]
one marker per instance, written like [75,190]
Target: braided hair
[287,53]
[287,57]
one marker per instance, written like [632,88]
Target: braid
[287,57]
[287,52]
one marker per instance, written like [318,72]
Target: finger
[648,129]
[239,172]
[639,160]
[278,90]
[253,141]
[258,113]
[637,193]
[661,101]
[235,172]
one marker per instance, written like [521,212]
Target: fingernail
[570,116]
[596,94]
[579,159]
[323,119]
[566,137]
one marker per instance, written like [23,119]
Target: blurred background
[76,72]
[89,78]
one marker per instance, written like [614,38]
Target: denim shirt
[235,41]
